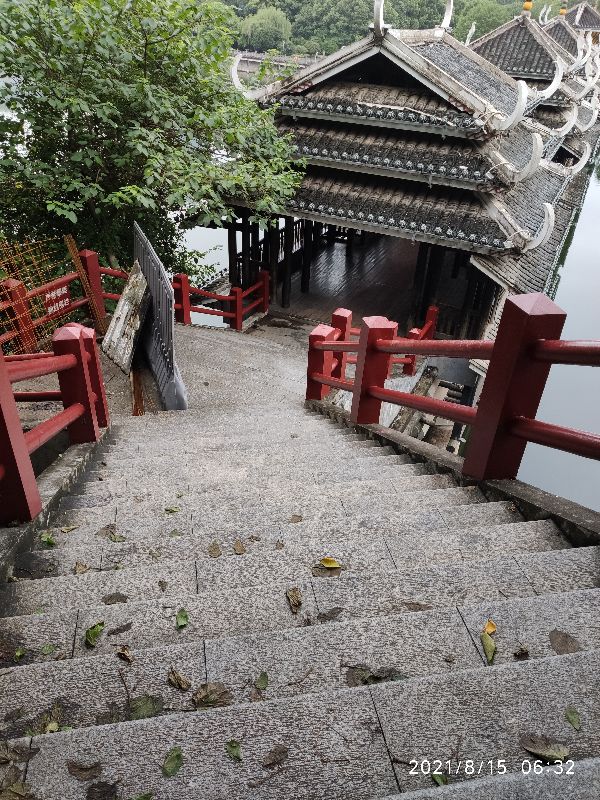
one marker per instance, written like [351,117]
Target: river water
[572,394]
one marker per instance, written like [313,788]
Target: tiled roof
[475,76]
[517,50]
[525,201]
[368,103]
[587,20]
[563,34]
[418,157]
[407,208]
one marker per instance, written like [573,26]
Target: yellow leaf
[490,627]
[330,563]
[489,647]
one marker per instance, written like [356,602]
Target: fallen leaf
[19,653]
[489,647]
[214,550]
[116,537]
[125,654]
[127,626]
[178,680]
[279,545]
[107,530]
[179,495]
[254,537]
[412,605]
[573,717]
[80,568]
[102,791]
[146,796]
[83,772]
[522,654]
[490,627]
[362,675]
[182,618]
[212,695]
[294,598]
[563,643]
[330,563]
[172,510]
[52,727]
[15,791]
[329,616]
[93,634]
[440,778]
[48,649]
[275,757]
[47,539]
[449,659]
[544,748]
[162,585]
[262,681]
[115,597]
[295,518]
[173,762]
[145,706]
[239,548]
[234,750]
[69,528]
[175,533]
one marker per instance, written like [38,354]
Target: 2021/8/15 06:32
[470,768]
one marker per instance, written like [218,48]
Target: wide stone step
[331,745]
[577,781]
[141,569]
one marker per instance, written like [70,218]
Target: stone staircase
[190,557]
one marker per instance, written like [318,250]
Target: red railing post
[513,386]
[319,362]
[410,368]
[237,305]
[372,368]
[19,494]
[265,278]
[341,319]
[95,371]
[91,265]
[76,385]
[431,318]
[181,290]
[16,293]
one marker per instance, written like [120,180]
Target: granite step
[350,743]
[155,568]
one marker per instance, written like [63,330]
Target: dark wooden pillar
[274,255]
[286,288]
[331,233]
[307,253]
[234,273]
[245,248]
[254,251]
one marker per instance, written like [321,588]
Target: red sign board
[57,300]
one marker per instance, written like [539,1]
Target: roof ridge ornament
[595,108]
[249,94]
[583,43]
[545,231]
[448,14]
[559,72]
[527,7]
[517,114]
[379,26]
[471,34]
[517,175]
[585,157]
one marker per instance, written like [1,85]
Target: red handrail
[75,360]
[528,343]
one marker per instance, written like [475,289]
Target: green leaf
[489,647]
[116,537]
[234,750]
[47,539]
[573,717]
[544,748]
[173,510]
[19,653]
[440,778]
[146,796]
[182,618]
[173,762]
[262,681]
[48,649]
[93,634]
[145,706]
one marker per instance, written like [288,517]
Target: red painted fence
[527,345]
[75,360]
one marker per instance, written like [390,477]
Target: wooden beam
[234,273]
[125,326]
[245,248]
[254,251]
[274,255]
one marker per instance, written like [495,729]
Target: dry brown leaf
[83,772]
[80,568]
[214,550]
[490,627]
[275,757]
[124,653]
[212,695]
[239,548]
[296,518]
[178,680]
[279,545]
[294,598]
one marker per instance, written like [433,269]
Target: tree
[123,110]
[268,29]
[486,14]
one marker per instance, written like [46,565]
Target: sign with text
[57,300]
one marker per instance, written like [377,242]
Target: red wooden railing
[527,345]
[75,360]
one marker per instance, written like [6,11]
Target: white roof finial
[379,26]
[447,21]
[471,34]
